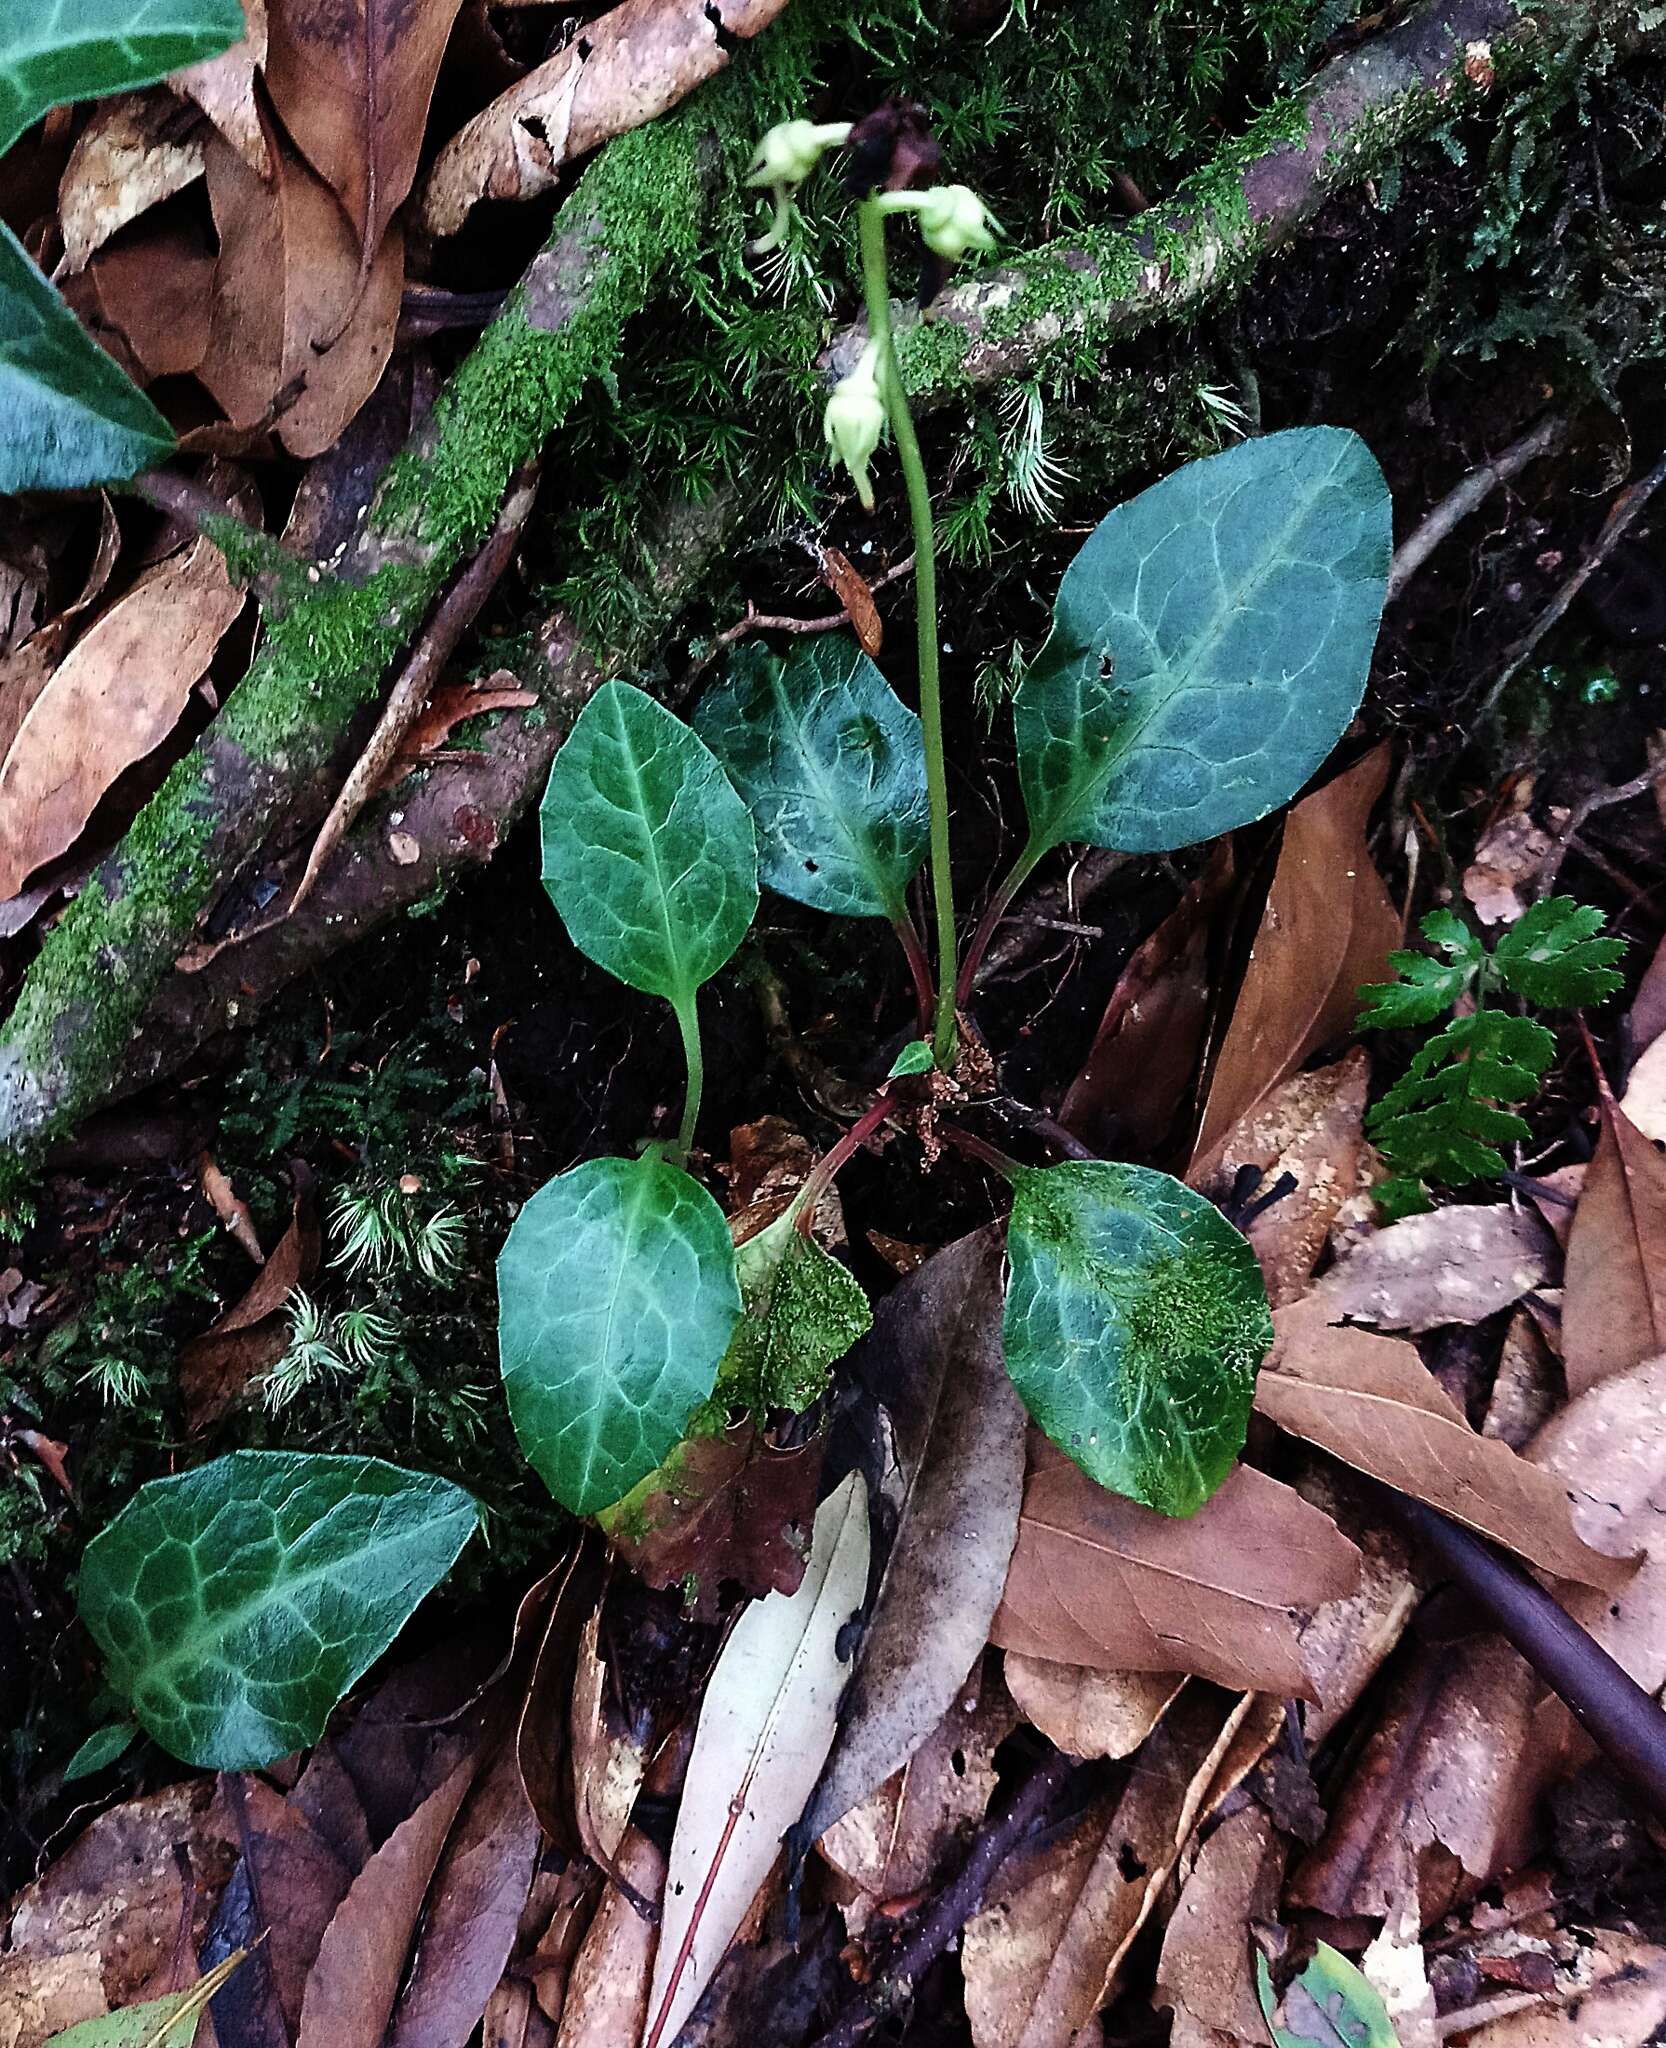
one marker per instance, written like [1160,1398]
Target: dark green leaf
[100,1750]
[648,852]
[915,1058]
[830,762]
[1441,1120]
[237,1603]
[1135,1322]
[1555,955]
[803,1313]
[55,51]
[617,1299]
[68,416]
[1210,644]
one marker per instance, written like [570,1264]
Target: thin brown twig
[955,1905]
[756,621]
[1621,514]
[1468,496]
[193,505]
[453,616]
[1598,800]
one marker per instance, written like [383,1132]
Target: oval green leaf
[803,1313]
[617,1299]
[100,1750]
[648,852]
[1210,644]
[832,766]
[1135,1322]
[68,416]
[237,1603]
[54,51]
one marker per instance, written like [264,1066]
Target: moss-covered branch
[1055,307]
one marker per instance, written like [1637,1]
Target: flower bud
[855,420]
[783,160]
[954,221]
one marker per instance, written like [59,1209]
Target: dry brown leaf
[1042,1957]
[1617,1999]
[1614,1283]
[1205,1970]
[217,1368]
[1372,1402]
[351,1992]
[1327,927]
[152,299]
[606,2002]
[351,80]
[850,587]
[229,1206]
[1395,1967]
[298,336]
[224,88]
[451,705]
[1347,1641]
[549,1628]
[903,1838]
[1102,1581]
[1090,1713]
[1527,1387]
[1449,1266]
[1648,1008]
[1509,856]
[1309,1128]
[135,151]
[608,1759]
[1141,1067]
[115,696]
[627,67]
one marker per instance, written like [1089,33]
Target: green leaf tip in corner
[236,1604]
[1210,644]
[803,1313]
[649,854]
[916,1057]
[1329,2004]
[617,1300]
[100,1750]
[55,51]
[832,767]
[1135,1322]
[68,415]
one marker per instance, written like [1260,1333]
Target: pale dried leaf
[1614,1283]
[135,151]
[1090,1713]
[224,88]
[1205,1970]
[1450,1266]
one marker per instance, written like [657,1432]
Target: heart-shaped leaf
[649,854]
[1210,643]
[1135,1320]
[617,1299]
[237,1603]
[53,51]
[68,416]
[832,767]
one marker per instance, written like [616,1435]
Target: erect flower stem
[876,290]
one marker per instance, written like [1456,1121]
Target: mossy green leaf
[68,416]
[803,1312]
[1135,1322]
[649,854]
[832,766]
[55,51]
[1210,644]
[236,1604]
[617,1299]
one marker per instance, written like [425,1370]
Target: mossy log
[636,217]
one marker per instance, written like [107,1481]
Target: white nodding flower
[855,420]
[783,160]
[954,221]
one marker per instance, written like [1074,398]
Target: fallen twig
[755,621]
[1468,496]
[1652,778]
[955,1904]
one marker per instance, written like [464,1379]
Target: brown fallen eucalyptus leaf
[135,151]
[1205,1972]
[1456,1265]
[351,1993]
[151,301]
[1309,1129]
[606,1997]
[224,88]
[850,587]
[630,64]
[1102,1581]
[1614,1281]
[549,1629]
[117,694]
[1090,1713]
[1328,926]
[450,706]
[906,1836]
[1041,1959]
[298,333]
[473,1911]
[351,80]
[217,1368]
[1139,1071]
[610,1753]
[766,1725]
[933,1359]
[27,667]
[1372,1402]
